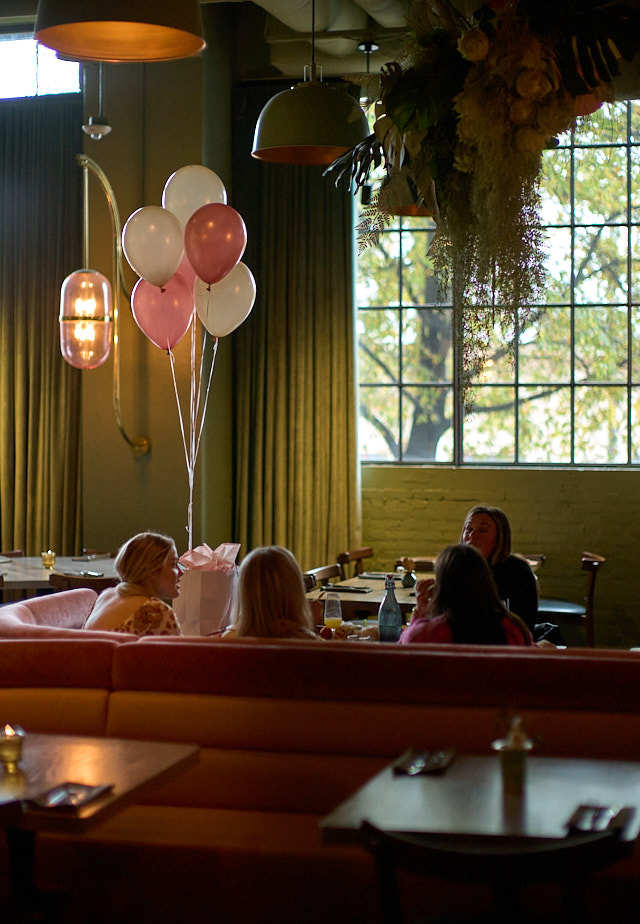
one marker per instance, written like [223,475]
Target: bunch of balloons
[187,253]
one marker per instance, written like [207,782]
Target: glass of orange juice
[332,610]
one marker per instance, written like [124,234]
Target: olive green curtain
[296,471]
[40,228]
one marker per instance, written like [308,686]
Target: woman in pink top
[461,604]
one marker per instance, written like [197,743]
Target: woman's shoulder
[153,617]
[427,629]
[516,631]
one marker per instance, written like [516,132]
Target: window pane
[600,425]
[556,188]
[544,352]
[377,278]
[489,433]
[601,344]
[427,349]
[594,200]
[635,341]
[427,414]
[544,425]
[378,425]
[558,265]
[635,426]
[600,265]
[379,346]
[418,285]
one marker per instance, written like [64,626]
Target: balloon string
[206,395]
[186,452]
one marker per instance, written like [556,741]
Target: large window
[572,396]
[30,69]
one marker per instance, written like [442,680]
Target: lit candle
[11,738]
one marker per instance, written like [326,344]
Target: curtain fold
[40,228]
[296,480]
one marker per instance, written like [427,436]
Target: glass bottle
[389,615]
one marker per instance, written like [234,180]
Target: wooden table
[132,767]
[356,606]
[463,826]
[27,573]
[468,799]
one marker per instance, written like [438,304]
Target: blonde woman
[270,599]
[150,574]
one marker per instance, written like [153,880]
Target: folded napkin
[204,558]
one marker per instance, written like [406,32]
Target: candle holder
[11,740]
[48,559]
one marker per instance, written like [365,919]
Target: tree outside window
[572,394]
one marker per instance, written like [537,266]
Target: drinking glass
[332,610]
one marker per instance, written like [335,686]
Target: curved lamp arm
[139,444]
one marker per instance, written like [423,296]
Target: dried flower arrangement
[464,119]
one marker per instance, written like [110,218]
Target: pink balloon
[164,313]
[214,238]
[187,271]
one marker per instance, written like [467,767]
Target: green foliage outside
[573,394]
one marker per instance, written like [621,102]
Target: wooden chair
[309,581]
[356,556]
[14,553]
[575,614]
[506,865]
[416,562]
[70,581]
[322,575]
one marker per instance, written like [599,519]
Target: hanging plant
[464,118]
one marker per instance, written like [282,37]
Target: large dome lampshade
[310,123]
[120,30]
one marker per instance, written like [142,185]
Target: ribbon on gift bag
[207,588]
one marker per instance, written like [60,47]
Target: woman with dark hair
[488,530]
[461,604]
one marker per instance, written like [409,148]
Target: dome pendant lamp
[309,124]
[120,30]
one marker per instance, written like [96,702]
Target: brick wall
[414,511]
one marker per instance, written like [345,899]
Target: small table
[366,605]
[27,573]
[132,767]
[468,799]
[463,826]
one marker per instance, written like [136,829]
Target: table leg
[28,904]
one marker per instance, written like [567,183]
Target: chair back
[416,562]
[354,556]
[591,563]
[71,581]
[322,575]
[13,553]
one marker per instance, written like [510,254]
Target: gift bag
[207,587]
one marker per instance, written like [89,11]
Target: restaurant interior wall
[163,118]
[156,116]
[560,513]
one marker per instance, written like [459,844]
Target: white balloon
[189,188]
[224,305]
[153,243]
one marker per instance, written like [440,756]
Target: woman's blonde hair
[143,554]
[270,596]
[502,549]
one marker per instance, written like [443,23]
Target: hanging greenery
[463,120]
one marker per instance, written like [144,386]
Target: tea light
[48,559]
[11,738]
